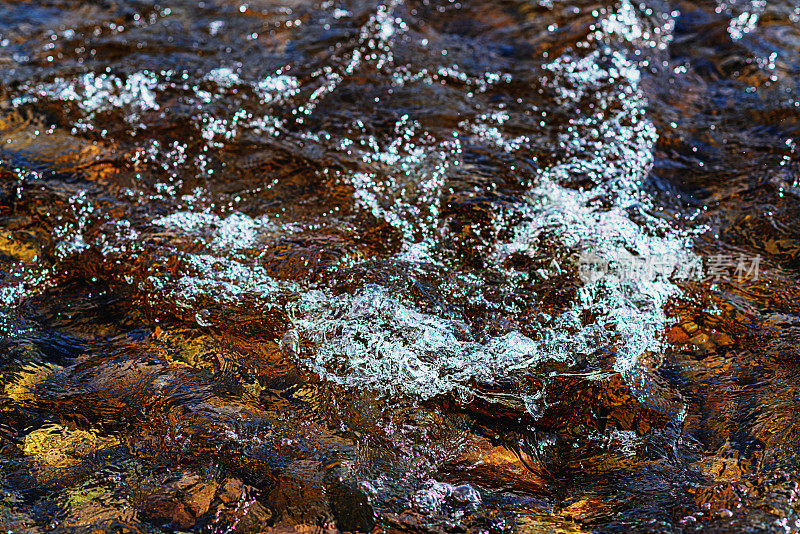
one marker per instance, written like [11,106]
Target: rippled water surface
[401,266]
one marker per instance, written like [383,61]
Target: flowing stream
[399,266]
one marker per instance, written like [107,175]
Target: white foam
[372,339]
[376,339]
[615,152]
[223,280]
[215,26]
[224,76]
[747,20]
[408,197]
[101,92]
[187,220]
[432,498]
[374,46]
[278,87]
[624,23]
[229,234]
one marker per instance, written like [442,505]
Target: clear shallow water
[323,265]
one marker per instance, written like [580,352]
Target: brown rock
[164,508]
[199,500]
[231,490]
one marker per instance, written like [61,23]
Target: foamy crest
[229,234]
[226,281]
[373,339]
[614,150]
[101,92]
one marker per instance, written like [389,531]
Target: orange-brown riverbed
[400,266]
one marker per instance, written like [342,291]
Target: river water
[399,266]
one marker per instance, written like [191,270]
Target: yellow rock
[21,387]
[16,249]
[587,508]
[55,449]
[690,328]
